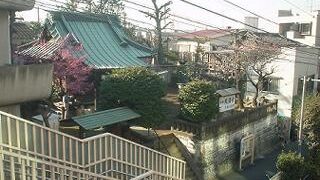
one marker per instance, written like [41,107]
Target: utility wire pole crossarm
[302,110]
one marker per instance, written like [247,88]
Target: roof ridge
[100,112]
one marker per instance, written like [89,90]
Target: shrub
[198,101]
[138,88]
[311,122]
[291,165]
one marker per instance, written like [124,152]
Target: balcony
[24,83]
[17,5]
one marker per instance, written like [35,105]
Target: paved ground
[257,171]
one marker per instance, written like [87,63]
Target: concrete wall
[12,109]
[5,55]
[17,5]
[24,83]
[221,154]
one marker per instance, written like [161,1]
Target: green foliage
[313,162]
[311,120]
[198,101]
[139,89]
[189,72]
[291,165]
[172,56]
[36,27]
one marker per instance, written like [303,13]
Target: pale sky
[265,8]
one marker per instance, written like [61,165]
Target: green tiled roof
[105,118]
[105,44]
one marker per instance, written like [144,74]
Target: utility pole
[301,115]
[38,13]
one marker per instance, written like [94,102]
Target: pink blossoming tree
[71,75]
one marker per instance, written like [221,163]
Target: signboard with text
[227,103]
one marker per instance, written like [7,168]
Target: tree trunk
[239,97]
[160,48]
[255,97]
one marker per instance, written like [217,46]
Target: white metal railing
[147,175]
[14,166]
[103,154]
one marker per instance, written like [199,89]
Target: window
[305,28]
[271,85]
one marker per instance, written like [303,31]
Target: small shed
[102,119]
[227,99]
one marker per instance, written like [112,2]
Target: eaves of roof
[105,118]
[104,42]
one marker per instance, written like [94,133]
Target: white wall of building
[190,46]
[314,38]
[289,67]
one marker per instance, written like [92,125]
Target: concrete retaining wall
[24,83]
[221,154]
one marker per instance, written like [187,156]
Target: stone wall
[217,143]
[221,154]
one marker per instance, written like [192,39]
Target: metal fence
[105,154]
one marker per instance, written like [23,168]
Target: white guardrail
[29,149]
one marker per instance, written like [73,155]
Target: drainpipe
[12,16]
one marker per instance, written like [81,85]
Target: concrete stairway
[168,145]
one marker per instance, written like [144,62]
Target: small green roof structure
[104,42]
[227,92]
[105,118]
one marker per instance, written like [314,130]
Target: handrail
[165,147]
[142,176]
[50,164]
[86,139]
[34,140]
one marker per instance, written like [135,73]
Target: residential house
[303,28]
[105,45]
[188,43]
[295,61]
[19,83]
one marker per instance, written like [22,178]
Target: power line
[144,6]
[209,25]
[173,15]
[53,7]
[224,16]
[298,8]
[236,5]
[238,21]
